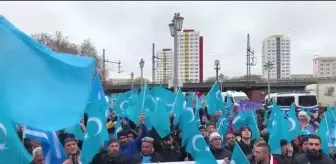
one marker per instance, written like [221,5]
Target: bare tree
[60,43]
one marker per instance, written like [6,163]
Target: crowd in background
[136,144]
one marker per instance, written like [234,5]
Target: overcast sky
[127,29]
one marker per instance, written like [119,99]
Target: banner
[245,105]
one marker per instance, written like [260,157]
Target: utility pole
[249,61]
[104,66]
[268,66]
[153,63]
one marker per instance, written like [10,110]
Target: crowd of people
[135,143]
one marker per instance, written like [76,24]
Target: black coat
[305,158]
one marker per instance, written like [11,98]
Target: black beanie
[122,133]
[283,142]
[245,127]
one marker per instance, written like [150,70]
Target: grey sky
[127,29]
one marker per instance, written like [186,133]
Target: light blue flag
[159,118]
[199,149]
[239,121]
[164,94]
[96,132]
[251,120]
[293,124]
[145,103]
[76,130]
[52,148]
[238,156]
[324,133]
[10,144]
[48,85]
[179,106]
[214,100]
[277,131]
[125,100]
[222,125]
[118,128]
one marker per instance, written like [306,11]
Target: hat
[122,133]
[147,139]
[132,132]
[283,142]
[214,135]
[112,141]
[304,138]
[245,127]
[202,127]
[69,137]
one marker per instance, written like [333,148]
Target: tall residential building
[190,56]
[324,67]
[164,66]
[277,50]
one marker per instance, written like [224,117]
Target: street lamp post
[142,63]
[132,76]
[221,76]
[217,67]
[268,66]
[174,27]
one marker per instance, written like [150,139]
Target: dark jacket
[132,147]
[97,159]
[170,154]
[221,153]
[107,159]
[137,158]
[305,158]
[247,149]
[281,159]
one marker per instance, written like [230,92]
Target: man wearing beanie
[246,144]
[72,150]
[147,153]
[216,146]
[113,155]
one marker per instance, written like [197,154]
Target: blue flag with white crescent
[52,148]
[48,85]
[11,147]
[96,132]
[214,99]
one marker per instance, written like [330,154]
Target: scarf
[272,161]
[146,159]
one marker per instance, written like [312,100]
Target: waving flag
[52,148]
[238,156]
[324,133]
[293,124]
[164,94]
[10,144]
[277,132]
[76,130]
[179,106]
[48,85]
[160,118]
[214,100]
[124,101]
[96,133]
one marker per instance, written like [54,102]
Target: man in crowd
[38,156]
[262,155]
[286,152]
[314,153]
[129,148]
[170,151]
[230,141]
[216,147]
[204,133]
[147,153]
[113,155]
[246,144]
[72,150]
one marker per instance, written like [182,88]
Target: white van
[302,100]
[236,97]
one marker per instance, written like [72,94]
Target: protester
[216,147]
[38,156]
[246,144]
[72,150]
[230,141]
[147,153]
[314,153]
[112,156]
